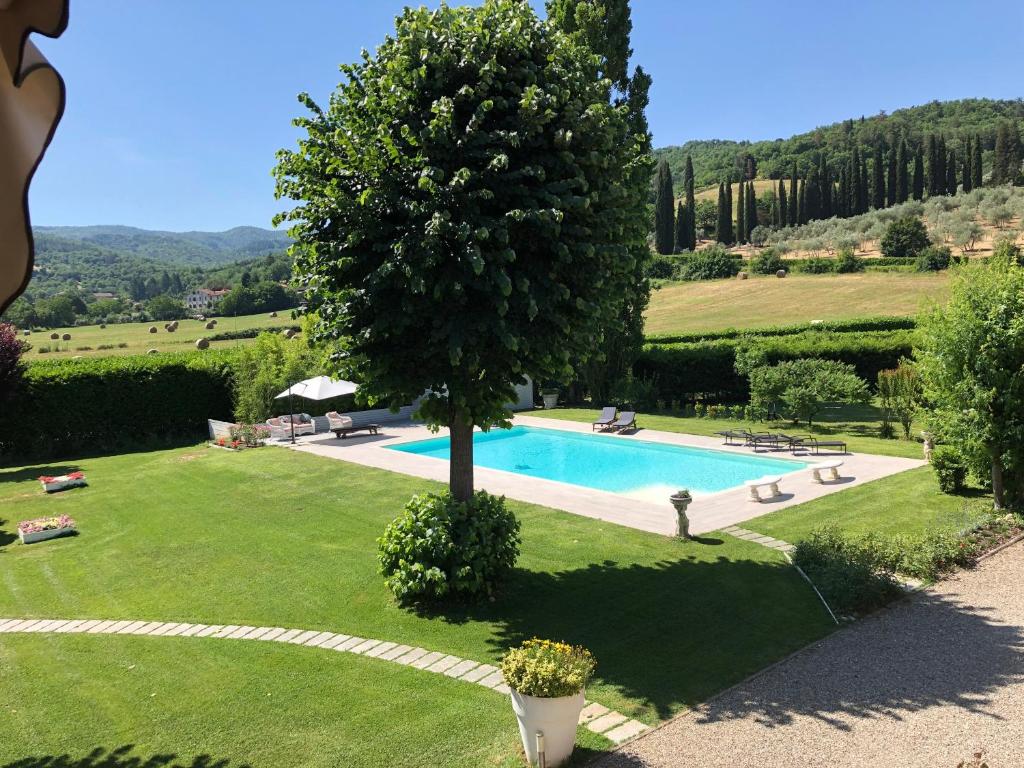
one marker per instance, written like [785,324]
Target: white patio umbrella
[317,388]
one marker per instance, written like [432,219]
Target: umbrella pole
[291,412]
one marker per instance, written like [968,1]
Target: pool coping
[708,512]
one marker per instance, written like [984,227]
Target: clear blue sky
[176,107]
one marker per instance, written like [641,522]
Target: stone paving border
[765,541]
[613,726]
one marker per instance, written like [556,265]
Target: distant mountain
[202,249]
[716,160]
[108,258]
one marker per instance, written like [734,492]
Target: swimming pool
[607,463]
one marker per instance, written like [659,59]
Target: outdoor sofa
[281,427]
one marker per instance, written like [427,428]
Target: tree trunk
[998,490]
[460,464]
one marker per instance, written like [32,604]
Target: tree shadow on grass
[123,757]
[31,473]
[667,634]
[6,536]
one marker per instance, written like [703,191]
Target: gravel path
[921,685]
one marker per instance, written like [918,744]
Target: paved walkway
[648,510]
[923,684]
[599,719]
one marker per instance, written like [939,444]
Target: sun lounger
[607,418]
[342,426]
[734,434]
[816,445]
[626,420]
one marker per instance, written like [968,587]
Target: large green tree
[781,205]
[967,172]
[890,180]
[976,163]
[793,207]
[664,210]
[902,187]
[741,214]
[878,179]
[918,187]
[463,210]
[971,358]
[691,207]
[750,218]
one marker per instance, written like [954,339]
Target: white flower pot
[550,401]
[555,718]
[52,533]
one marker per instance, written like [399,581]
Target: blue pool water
[608,463]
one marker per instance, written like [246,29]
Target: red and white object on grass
[43,528]
[60,482]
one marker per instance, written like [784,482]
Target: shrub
[816,266]
[442,548]
[546,669]
[712,263]
[933,258]
[801,388]
[899,390]
[950,469]
[905,237]
[847,574]
[768,262]
[848,262]
[660,268]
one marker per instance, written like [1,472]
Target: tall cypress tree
[827,210]
[730,233]
[690,242]
[940,162]
[751,216]
[890,173]
[999,157]
[802,198]
[781,206]
[951,173]
[741,214]
[724,216]
[966,169]
[902,185]
[794,205]
[812,196]
[863,198]
[664,210]
[843,194]
[976,167]
[680,227]
[878,180]
[918,190]
[1014,154]
[932,155]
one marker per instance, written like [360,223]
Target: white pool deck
[649,511]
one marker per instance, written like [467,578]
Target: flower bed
[60,482]
[43,528]
[244,436]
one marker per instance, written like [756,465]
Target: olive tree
[971,361]
[461,208]
[801,388]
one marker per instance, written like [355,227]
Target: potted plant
[681,500]
[547,681]
[550,398]
[44,528]
[60,482]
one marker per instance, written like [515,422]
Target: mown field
[135,338]
[760,301]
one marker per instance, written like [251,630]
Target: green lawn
[136,339]
[857,424]
[271,537]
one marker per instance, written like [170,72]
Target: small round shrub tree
[768,262]
[934,258]
[905,237]
[712,263]
[847,262]
[442,548]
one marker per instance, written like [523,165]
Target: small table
[343,432]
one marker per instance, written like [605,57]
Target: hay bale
[742,275]
[210,326]
[273,314]
[152,329]
[781,273]
[102,326]
[54,336]
[202,343]
[151,351]
[27,332]
[172,328]
[290,333]
[66,337]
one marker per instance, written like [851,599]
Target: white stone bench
[771,481]
[832,467]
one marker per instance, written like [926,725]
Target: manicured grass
[138,338]
[857,424]
[907,503]
[272,537]
[761,301]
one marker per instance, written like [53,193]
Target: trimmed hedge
[250,333]
[856,325]
[107,403]
[706,370]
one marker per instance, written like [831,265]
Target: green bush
[816,266]
[950,469]
[848,262]
[547,669]
[712,263]
[855,325]
[441,548]
[933,258]
[250,333]
[103,404]
[848,574]
[768,262]
[905,237]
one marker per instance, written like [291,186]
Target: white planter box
[555,718]
[30,538]
[61,482]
